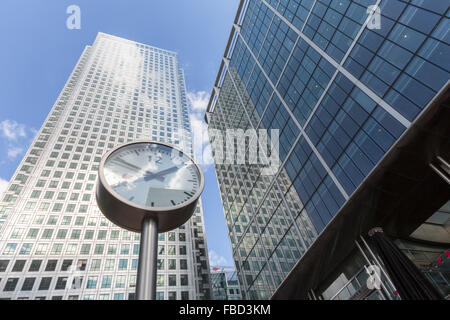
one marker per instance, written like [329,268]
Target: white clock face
[152,175]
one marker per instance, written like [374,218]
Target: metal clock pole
[148,257]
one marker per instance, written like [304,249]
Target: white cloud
[33,132]
[202,149]
[12,130]
[199,128]
[198,100]
[216,260]
[13,152]
[3,186]
[16,137]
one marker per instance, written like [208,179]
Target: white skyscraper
[54,242]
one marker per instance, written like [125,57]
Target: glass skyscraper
[54,242]
[224,284]
[346,83]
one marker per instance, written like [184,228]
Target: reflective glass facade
[54,242]
[224,284]
[341,93]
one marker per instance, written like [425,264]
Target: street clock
[148,179]
[148,187]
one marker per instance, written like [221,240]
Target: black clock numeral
[173,202]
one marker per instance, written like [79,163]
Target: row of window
[95,265]
[85,249]
[91,282]
[160,295]
[33,233]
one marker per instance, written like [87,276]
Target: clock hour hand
[149,173]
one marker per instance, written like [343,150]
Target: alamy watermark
[259,147]
[375,17]
[74,19]
[237,146]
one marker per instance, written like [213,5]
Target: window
[118,296]
[10,248]
[184,295]
[26,248]
[85,248]
[11,284]
[172,280]
[32,233]
[112,248]
[159,280]
[125,249]
[81,264]
[106,282]
[102,235]
[61,283]
[91,283]
[172,264]
[132,282]
[123,264]
[66,264]
[51,265]
[28,284]
[35,265]
[120,282]
[71,248]
[61,234]
[79,221]
[109,265]
[114,235]
[66,220]
[95,264]
[75,234]
[172,295]
[47,234]
[18,266]
[3,265]
[99,249]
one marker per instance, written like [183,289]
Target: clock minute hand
[150,175]
[130,165]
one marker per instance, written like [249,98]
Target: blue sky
[38,53]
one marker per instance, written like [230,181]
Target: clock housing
[148,179]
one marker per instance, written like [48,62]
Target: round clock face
[152,175]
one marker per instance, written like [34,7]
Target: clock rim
[150,210]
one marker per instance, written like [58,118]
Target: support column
[148,257]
